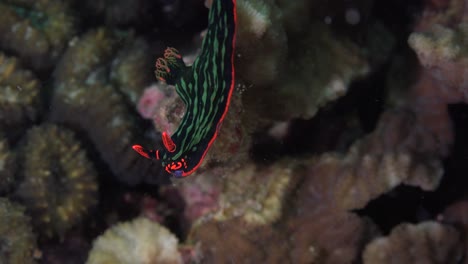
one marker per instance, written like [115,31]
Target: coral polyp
[17,241]
[59,183]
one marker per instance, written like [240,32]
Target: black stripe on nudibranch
[206,89]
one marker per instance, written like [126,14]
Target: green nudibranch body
[205,88]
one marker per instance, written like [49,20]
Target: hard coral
[139,241]
[59,183]
[391,155]
[19,94]
[131,71]
[240,243]
[428,242]
[292,74]
[7,166]
[256,194]
[442,52]
[84,98]
[17,239]
[36,30]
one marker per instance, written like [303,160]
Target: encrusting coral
[253,194]
[19,94]
[139,241]
[234,241]
[328,187]
[17,241]
[256,207]
[84,98]
[58,185]
[440,40]
[130,72]
[427,242]
[293,76]
[37,31]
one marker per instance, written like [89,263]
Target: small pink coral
[149,101]
[201,197]
[162,104]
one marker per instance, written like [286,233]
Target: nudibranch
[205,88]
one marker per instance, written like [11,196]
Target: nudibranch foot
[170,68]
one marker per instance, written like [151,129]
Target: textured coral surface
[59,183]
[18,241]
[139,241]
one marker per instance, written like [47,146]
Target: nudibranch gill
[205,88]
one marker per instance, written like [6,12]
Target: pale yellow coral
[256,194]
[140,241]
[437,44]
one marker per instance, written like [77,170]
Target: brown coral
[59,183]
[234,241]
[17,241]
[428,242]
[84,98]
[36,30]
[131,69]
[19,94]
[391,155]
[291,64]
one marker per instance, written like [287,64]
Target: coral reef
[16,236]
[19,94]
[318,70]
[428,242]
[240,243]
[7,166]
[130,71]
[84,98]
[37,31]
[255,194]
[321,228]
[391,155]
[318,236]
[59,183]
[439,41]
[340,112]
[254,209]
[294,76]
[261,42]
[139,241]
[252,194]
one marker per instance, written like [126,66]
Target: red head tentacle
[168,143]
[142,151]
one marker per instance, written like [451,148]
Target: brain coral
[19,94]
[84,97]
[59,183]
[17,241]
[37,31]
[140,241]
